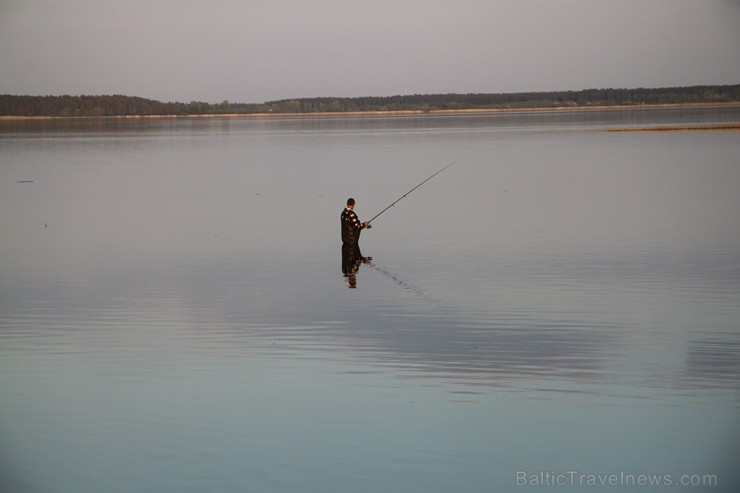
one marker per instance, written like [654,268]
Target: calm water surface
[563,302]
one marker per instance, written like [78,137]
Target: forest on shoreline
[120,106]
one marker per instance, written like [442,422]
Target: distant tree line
[522,100]
[117,105]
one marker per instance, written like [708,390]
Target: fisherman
[351,228]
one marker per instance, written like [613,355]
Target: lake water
[558,309]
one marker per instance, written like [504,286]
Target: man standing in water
[351,227]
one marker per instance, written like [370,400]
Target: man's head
[350,203]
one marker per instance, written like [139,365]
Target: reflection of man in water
[351,256]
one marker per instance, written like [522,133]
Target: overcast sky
[260,50]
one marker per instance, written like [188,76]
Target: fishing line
[405,284]
[395,278]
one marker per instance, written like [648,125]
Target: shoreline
[392,112]
[676,128]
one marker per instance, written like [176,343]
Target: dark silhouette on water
[351,255]
[351,261]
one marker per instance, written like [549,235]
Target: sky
[252,51]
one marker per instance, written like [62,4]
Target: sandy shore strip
[676,128]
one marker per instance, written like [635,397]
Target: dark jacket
[351,227]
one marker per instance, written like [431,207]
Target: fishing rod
[404,195]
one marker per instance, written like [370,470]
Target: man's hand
[366,224]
